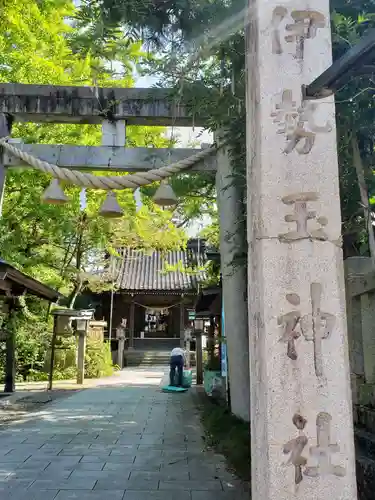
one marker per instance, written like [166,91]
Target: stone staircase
[151,358]
[364,433]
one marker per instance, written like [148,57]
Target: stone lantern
[63,326]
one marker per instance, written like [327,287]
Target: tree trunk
[211,341]
[79,254]
[74,294]
[358,164]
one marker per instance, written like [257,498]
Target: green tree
[61,245]
[355,110]
[213,84]
[54,243]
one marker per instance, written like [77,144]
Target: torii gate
[115,108]
[301,405]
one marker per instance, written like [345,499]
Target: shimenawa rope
[131,181]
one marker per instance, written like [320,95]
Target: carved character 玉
[301,216]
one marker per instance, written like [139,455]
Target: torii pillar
[301,411]
[232,243]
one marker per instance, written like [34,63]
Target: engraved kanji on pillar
[317,326]
[324,449]
[295,447]
[305,25]
[289,322]
[301,216]
[298,123]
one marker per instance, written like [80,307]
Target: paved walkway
[124,440]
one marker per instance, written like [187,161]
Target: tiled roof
[141,271]
[20,281]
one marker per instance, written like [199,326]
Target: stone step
[151,358]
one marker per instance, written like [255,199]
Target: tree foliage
[355,108]
[158,24]
[213,81]
[203,60]
[61,245]
[64,246]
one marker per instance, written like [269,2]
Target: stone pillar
[131,325]
[368,335]
[113,133]
[354,320]
[188,356]
[52,358]
[182,324]
[120,335]
[234,283]
[81,356]
[360,314]
[120,352]
[301,426]
[199,357]
[355,268]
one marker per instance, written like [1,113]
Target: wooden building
[15,284]
[155,296]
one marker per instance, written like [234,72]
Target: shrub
[32,340]
[67,374]
[212,364]
[36,376]
[33,355]
[98,360]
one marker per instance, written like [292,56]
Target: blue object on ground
[173,388]
[187,379]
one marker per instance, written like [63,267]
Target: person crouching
[177,360]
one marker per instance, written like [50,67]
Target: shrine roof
[175,270]
[16,283]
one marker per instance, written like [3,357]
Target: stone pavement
[123,440]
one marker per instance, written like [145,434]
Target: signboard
[224,364]
[191,315]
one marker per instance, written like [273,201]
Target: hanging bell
[110,207]
[54,194]
[138,200]
[165,196]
